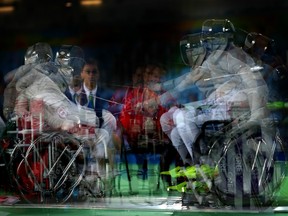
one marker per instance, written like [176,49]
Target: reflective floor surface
[141,205]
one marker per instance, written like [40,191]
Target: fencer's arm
[257,93]
[195,77]
[182,83]
[10,92]
[170,84]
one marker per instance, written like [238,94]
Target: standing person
[96,97]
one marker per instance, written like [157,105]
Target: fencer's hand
[138,107]
[180,106]
[135,128]
[150,106]
[156,87]
[201,76]
[70,126]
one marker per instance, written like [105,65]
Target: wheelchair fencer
[256,151]
[52,137]
[231,160]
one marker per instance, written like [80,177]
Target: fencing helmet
[38,53]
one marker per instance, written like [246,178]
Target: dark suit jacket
[68,95]
[103,95]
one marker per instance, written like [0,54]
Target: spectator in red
[141,125]
[142,122]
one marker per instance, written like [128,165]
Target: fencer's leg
[166,121]
[257,99]
[100,151]
[187,128]
[179,145]
[109,121]
[110,125]
[268,132]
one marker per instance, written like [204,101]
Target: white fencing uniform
[226,78]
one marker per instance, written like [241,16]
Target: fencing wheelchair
[246,164]
[51,166]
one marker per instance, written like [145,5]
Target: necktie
[91,101]
[75,98]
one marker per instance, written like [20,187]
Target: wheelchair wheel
[47,171]
[249,172]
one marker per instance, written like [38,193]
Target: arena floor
[139,202]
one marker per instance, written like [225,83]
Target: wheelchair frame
[44,166]
[245,175]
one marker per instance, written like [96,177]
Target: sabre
[108,100]
[253,69]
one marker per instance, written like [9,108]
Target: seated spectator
[141,126]
[95,96]
[133,120]
[74,88]
[118,98]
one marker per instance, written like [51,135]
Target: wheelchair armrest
[215,126]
